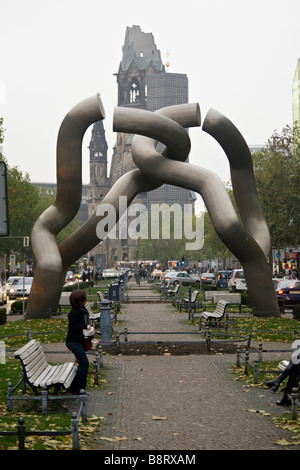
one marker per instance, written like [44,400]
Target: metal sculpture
[249,240]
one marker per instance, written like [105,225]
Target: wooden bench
[216,316]
[173,292]
[40,376]
[184,303]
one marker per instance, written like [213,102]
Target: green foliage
[25,205]
[277,176]
[1,131]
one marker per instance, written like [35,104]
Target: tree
[277,175]
[25,204]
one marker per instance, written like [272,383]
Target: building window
[134,91]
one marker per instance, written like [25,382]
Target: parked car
[156,273]
[178,277]
[19,286]
[9,282]
[222,278]
[3,294]
[276,281]
[237,280]
[70,276]
[288,293]
[207,278]
[110,273]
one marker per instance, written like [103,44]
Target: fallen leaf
[113,439]
[159,418]
[137,438]
[283,442]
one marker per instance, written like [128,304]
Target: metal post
[255,374]
[44,396]
[260,351]
[238,358]
[82,397]
[294,396]
[9,396]
[246,362]
[21,433]
[74,430]
[125,334]
[190,301]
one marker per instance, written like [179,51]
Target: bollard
[105,323]
[238,358]
[74,430]
[82,399]
[125,334]
[246,362]
[44,397]
[9,396]
[122,290]
[190,299]
[21,433]
[249,341]
[255,373]
[260,351]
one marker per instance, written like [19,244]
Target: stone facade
[144,84]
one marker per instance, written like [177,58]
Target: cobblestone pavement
[181,402]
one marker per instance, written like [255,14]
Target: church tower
[143,83]
[99,182]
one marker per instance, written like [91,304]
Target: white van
[237,280]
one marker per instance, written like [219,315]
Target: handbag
[87,343]
[87,340]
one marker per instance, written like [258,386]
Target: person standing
[78,321]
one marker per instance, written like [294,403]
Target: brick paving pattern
[180,402]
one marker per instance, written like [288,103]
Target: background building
[296,94]
[143,83]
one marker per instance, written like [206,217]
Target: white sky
[240,58]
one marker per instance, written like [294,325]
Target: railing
[21,432]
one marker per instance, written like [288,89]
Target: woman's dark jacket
[78,321]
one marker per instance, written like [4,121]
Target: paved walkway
[179,402]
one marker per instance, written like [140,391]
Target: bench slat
[41,375]
[28,345]
[53,378]
[38,364]
[26,351]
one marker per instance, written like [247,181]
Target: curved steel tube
[48,273]
[238,239]
[166,126]
[242,176]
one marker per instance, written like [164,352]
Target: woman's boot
[274,384]
[285,401]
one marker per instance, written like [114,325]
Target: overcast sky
[240,58]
